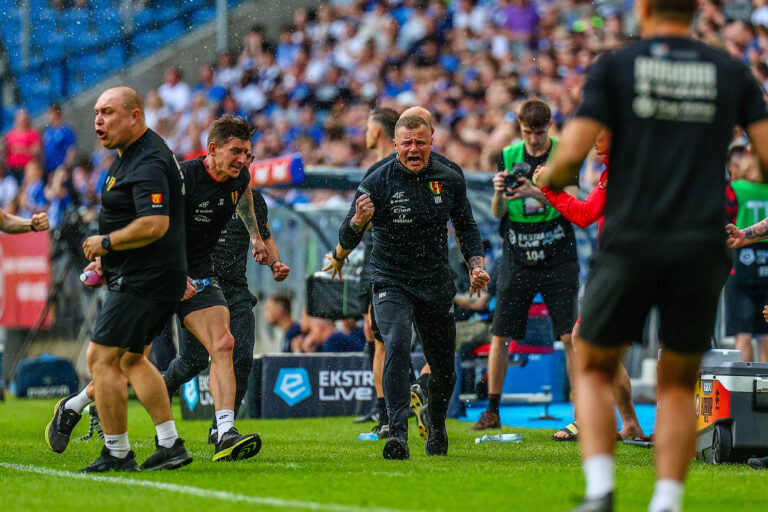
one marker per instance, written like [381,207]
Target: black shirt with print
[145,181]
[210,205]
[671,105]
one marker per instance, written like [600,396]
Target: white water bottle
[500,438]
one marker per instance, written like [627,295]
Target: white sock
[79,402]
[166,433]
[118,444]
[667,496]
[598,471]
[225,420]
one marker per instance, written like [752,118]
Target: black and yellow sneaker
[396,448]
[167,458]
[108,462]
[417,402]
[382,430]
[437,437]
[59,429]
[234,446]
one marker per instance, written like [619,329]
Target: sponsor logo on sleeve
[157,198]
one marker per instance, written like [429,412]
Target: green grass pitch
[317,464]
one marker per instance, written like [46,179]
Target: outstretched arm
[582,213]
[10,223]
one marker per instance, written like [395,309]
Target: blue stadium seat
[76,17]
[37,104]
[203,16]
[115,56]
[147,42]
[172,31]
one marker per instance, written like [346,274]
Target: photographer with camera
[539,252]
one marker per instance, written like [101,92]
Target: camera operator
[539,252]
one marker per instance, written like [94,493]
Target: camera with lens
[519,170]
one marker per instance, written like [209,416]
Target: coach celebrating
[141,253]
[409,202]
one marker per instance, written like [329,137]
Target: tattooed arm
[248,216]
[754,233]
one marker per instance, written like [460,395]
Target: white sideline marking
[196,491]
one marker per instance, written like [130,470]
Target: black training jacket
[410,234]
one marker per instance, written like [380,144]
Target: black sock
[382,405]
[493,402]
[371,347]
[423,381]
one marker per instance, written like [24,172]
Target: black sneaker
[234,446]
[604,504]
[59,429]
[382,430]
[213,435]
[396,448]
[108,462]
[437,437]
[758,462]
[373,415]
[167,458]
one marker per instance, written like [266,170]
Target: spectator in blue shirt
[277,313]
[59,142]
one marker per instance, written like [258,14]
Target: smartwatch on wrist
[106,243]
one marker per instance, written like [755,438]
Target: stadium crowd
[471,61]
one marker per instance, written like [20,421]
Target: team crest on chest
[435,187]
[235,196]
[110,182]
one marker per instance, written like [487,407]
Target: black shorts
[621,291]
[518,285]
[212,295]
[131,322]
[744,309]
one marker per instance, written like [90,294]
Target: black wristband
[333,255]
[272,265]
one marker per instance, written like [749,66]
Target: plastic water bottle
[500,438]
[91,278]
[200,284]
[368,436]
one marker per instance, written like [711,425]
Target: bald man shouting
[140,251]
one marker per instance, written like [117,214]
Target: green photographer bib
[526,210]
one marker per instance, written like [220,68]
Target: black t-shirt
[671,105]
[230,255]
[210,204]
[145,181]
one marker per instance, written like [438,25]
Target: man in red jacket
[583,213]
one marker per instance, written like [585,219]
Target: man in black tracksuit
[409,202]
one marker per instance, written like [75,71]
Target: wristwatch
[106,243]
